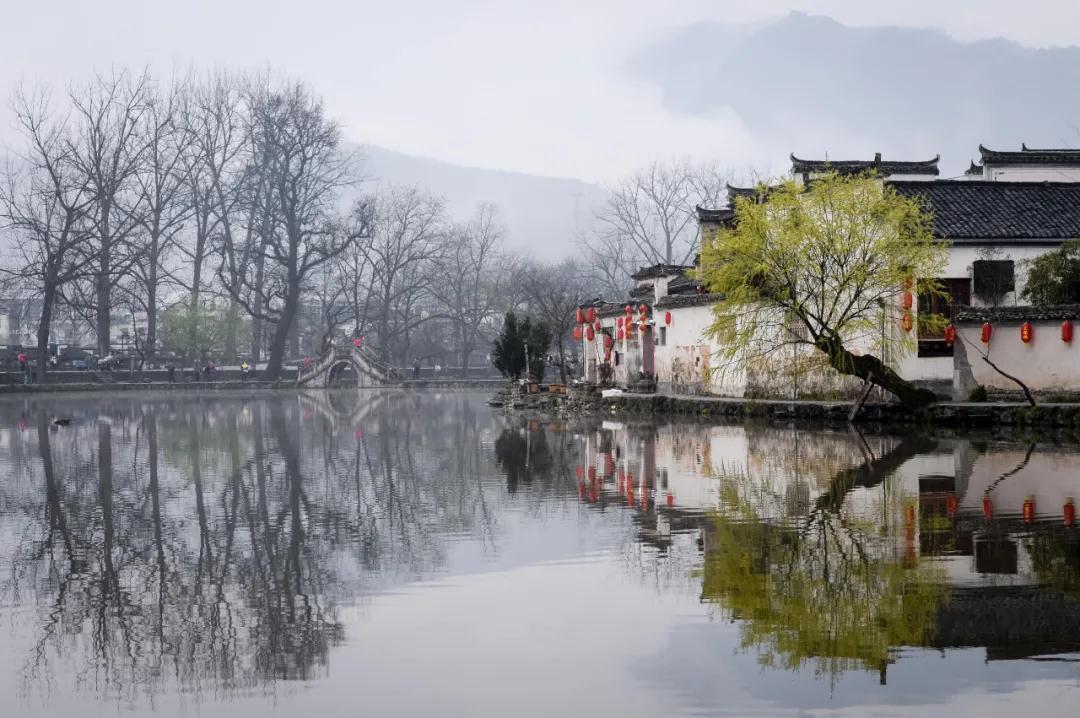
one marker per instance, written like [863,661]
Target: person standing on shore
[24,364]
[244,369]
[172,372]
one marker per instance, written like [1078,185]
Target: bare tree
[409,229]
[553,292]
[651,218]
[161,183]
[105,147]
[306,173]
[472,278]
[43,205]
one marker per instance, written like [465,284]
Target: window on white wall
[661,338]
[992,279]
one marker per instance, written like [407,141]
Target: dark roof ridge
[1030,156]
[876,160]
[991,183]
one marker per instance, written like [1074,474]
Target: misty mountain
[811,85]
[542,215]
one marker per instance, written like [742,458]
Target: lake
[416,554]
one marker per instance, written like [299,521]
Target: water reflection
[219,546]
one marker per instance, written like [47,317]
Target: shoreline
[209,387]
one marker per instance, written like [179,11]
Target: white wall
[1032,173]
[1045,364]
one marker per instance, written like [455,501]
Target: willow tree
[824,265]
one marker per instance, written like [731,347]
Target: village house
[1005,211]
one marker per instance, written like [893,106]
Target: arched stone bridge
[328,368]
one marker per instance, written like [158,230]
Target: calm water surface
[375,553]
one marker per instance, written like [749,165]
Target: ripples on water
[414,554]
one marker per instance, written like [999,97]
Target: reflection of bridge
[343,409]
[327,370]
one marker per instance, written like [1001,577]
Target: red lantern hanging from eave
[643,309]
[1026,332]
[577,334]
[667,318]
[579,316]
[908,300]
[590,314]
[1067,331]
[985,333]
[597,325]
[950,335]
[590,333]
[628,309]
[907,322]
[1069,512]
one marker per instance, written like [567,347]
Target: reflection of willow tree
[829,589]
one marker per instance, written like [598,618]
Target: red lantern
[909,282]
[643,310]
[906,321]
[985,333]
[590,333]
[1026,332]
[950,505]
[577,334]
[607,341]
[628,309]
[644,324]
[950,334]
[667,318]
[1066,331]
[597,325]
[1069,512]
[670,499]
[579,316]
[908,300]
[988,508]
[1029,509]
[590,314]
[621,334]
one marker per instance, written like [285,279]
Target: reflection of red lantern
[1026,332]
[590,333]
[985,333]
[1069,512]
[906,322]
[667,318]
[950,505]
[579,471]
[1066,331]
[621,334]
[577,334]
[1029,509]
[670,499]
[988,508]
[907,300]
[579,316]
[590,314]
[950,334]
[607,341]
[592,473]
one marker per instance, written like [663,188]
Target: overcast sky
[529,86]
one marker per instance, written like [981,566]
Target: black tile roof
[683,285]
[688,300]
[724,215]
[974,169]
[1016,314]
[877,165]
[1030,156]
[1006,212]
[661,270]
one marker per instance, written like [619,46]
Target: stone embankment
[945,414]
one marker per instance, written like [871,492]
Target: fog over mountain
[810,85]
[542,215]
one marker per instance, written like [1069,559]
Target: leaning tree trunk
[868,366]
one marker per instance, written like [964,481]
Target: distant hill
[543,215]
[809,85]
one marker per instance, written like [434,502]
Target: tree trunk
[151,310]
[104,301]
[281,335]
[44,329]
[868,366]
[231,319]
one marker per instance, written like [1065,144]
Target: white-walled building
[1022,205]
